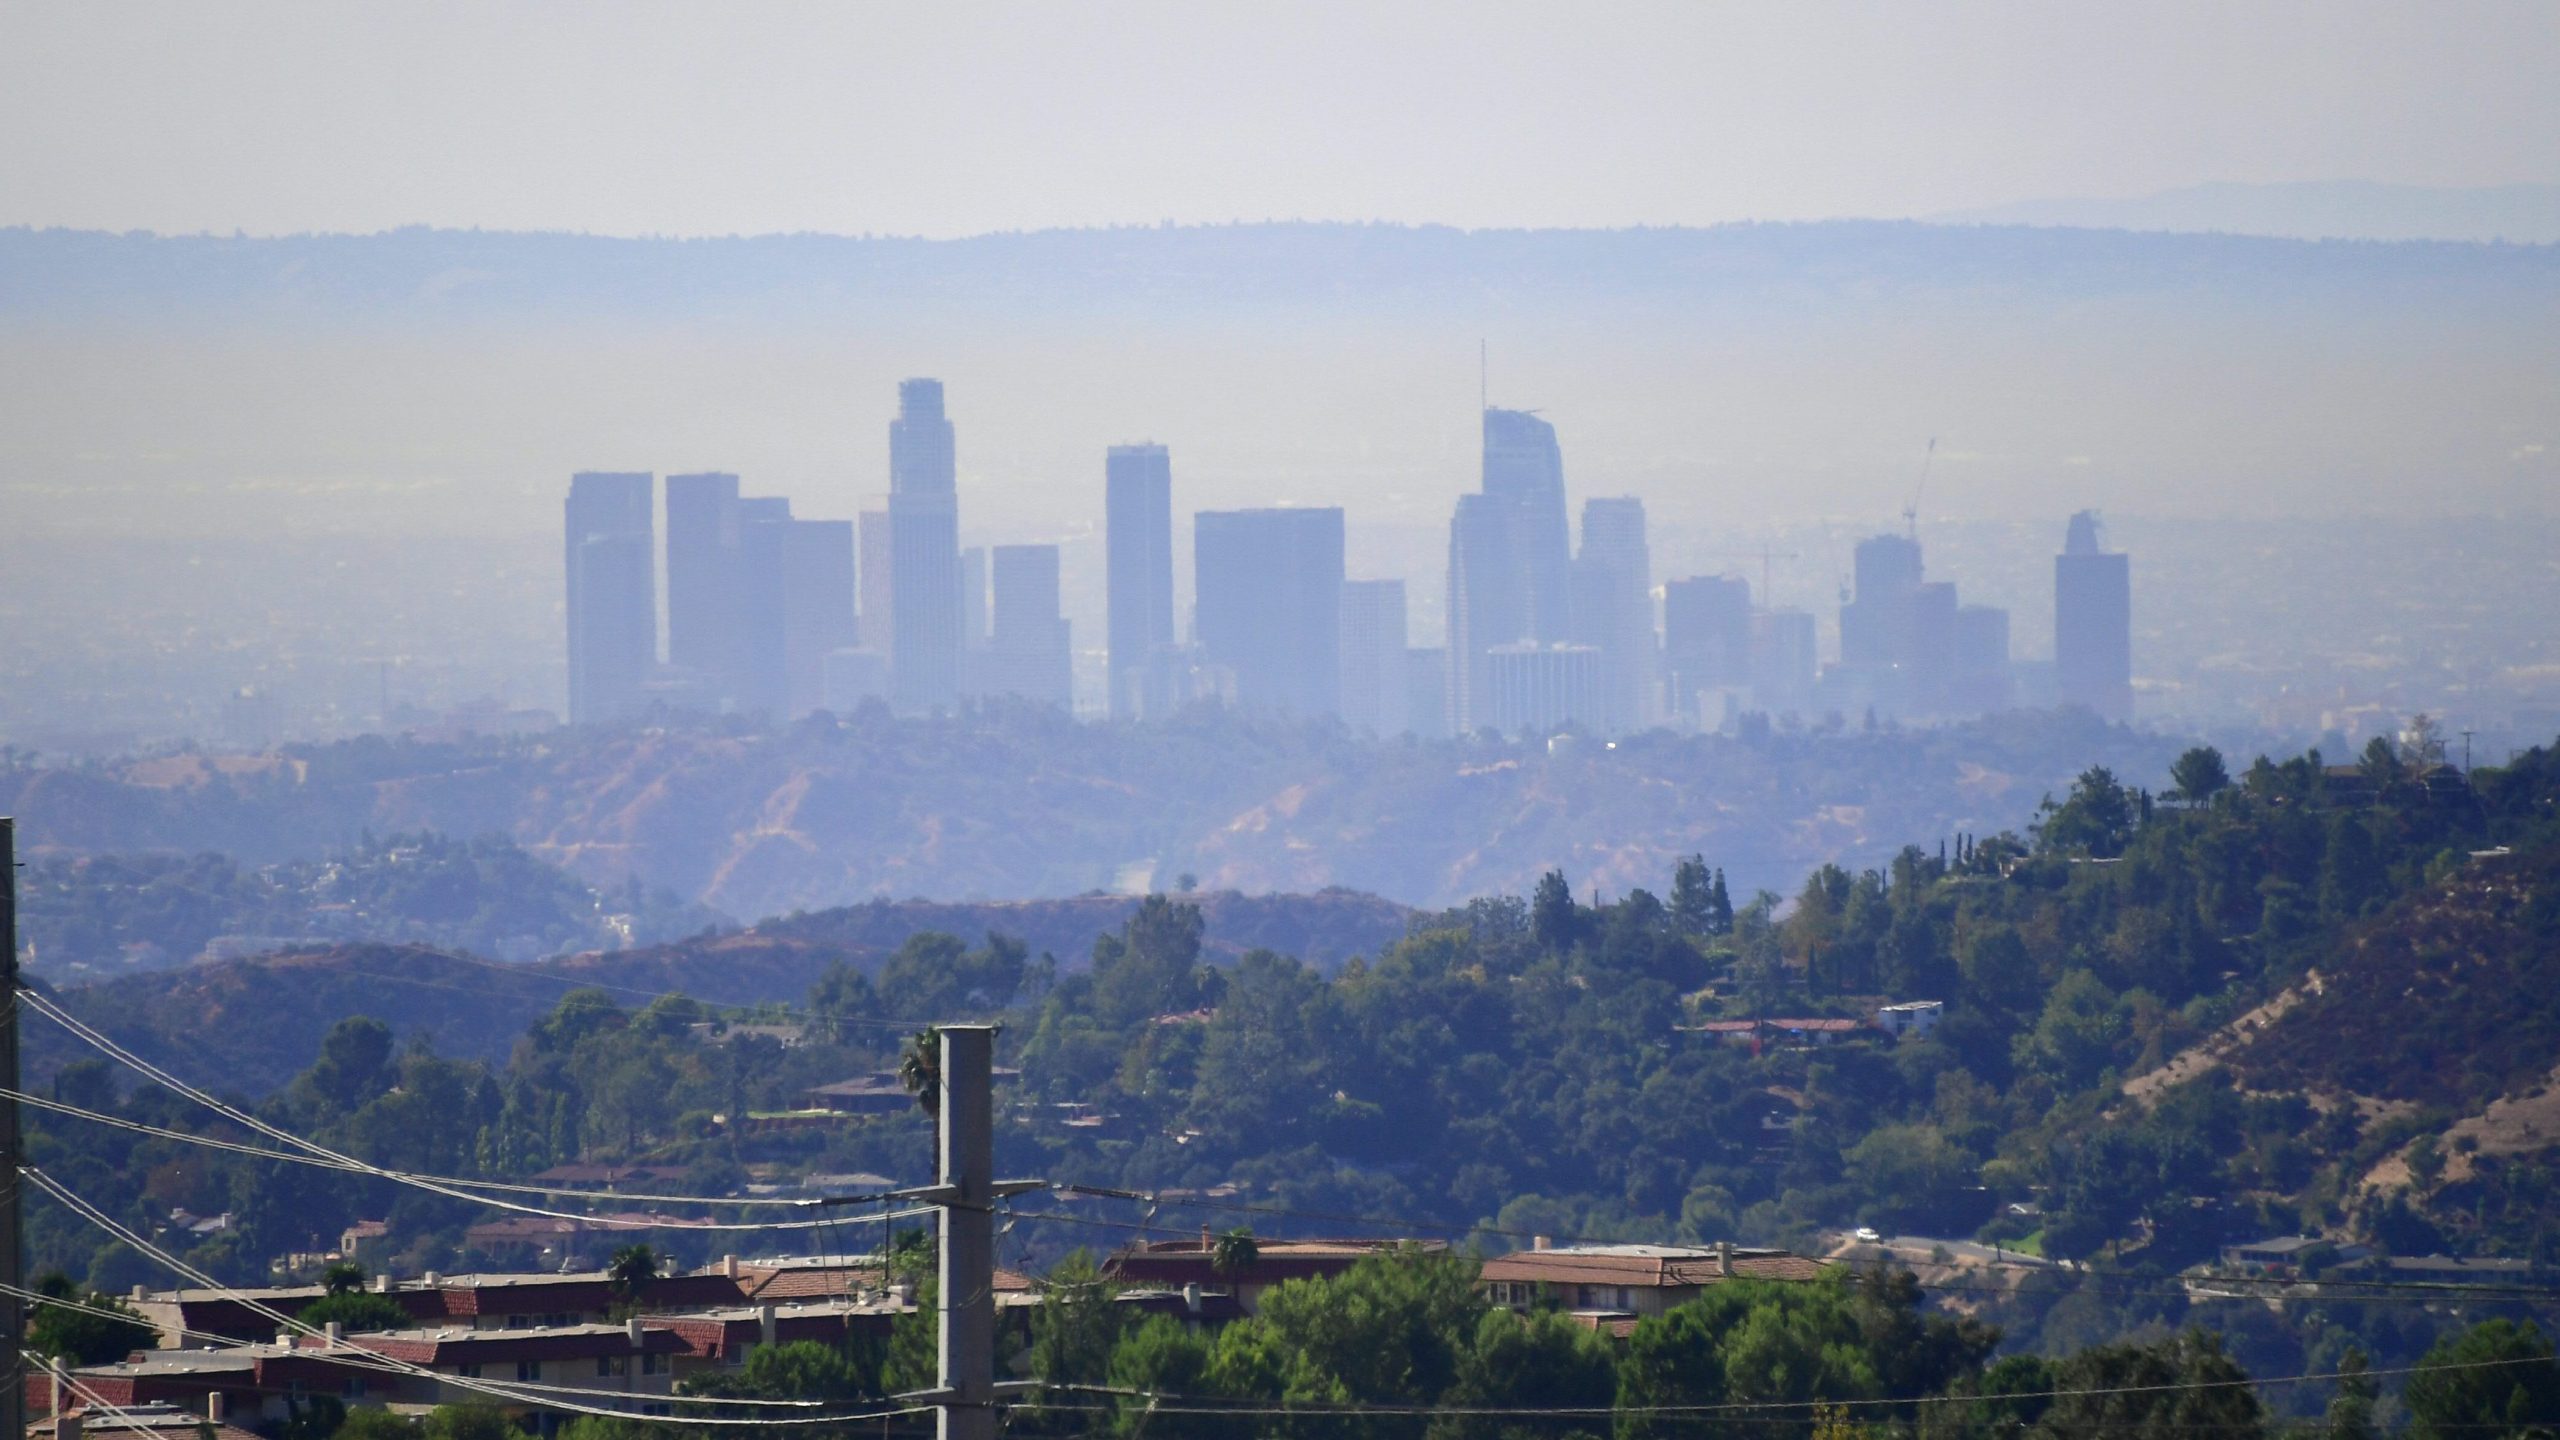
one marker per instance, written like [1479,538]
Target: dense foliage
[1532,1065]
[104,915]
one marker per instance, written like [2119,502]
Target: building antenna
[1911,512]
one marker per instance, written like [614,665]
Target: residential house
[1176,1266]
[1630,1280]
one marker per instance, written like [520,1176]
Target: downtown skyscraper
[924,552]
[1613,612]
[1270,606]
[611,565]
[1510,559]
[1137,485]
[2093,623]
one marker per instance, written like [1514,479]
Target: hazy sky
[943,118]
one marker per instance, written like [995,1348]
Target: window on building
[653,1364]
[468,1372]
[612,1365]
[528,1370]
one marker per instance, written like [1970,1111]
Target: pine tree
[1720,909]
[1693,894]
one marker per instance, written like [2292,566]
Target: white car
[1867,1234]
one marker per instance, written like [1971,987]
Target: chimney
[1191,1297]
[632,1328]
[382,1283]
[1541,1242]
[141,1293]
[1724,1258]
[284,1339]
[213,1406]
[729,1266]
[903,1293]
[764,1323]
[335,1332]
[433,1279]
[1205,1244]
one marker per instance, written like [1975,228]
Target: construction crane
[1764,555]
[1911,511]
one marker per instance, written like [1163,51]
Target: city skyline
[766,613]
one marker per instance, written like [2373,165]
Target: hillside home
[1630,1280]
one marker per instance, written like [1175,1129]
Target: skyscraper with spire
[1510,558]
[924,544]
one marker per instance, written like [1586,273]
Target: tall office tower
[2093,623]
[1375,684]
[1029,653]
[759,665]
[1875,624]
[1536,690]
[703,576]
[1982,683]
[1510,558]
[1706,638]
[1782,659]
[872,579]
[1613,594]
[973,598]
[1137,483]
[924,552]
[611,562]
[1524,469]
[817,607]
[1426,705]
[1488,605]
[1269,586]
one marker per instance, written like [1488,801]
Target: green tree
[371,1422]
[80,1337]
[1545,1361]
[2169,1389]
[633,1270]
[340,1277]
[2350,1414]
[2199,775]
[1693,897]
[1235,1252]
[2095,819]
[356,1311]
[1556,922]
[2496,1378]
[471,1421]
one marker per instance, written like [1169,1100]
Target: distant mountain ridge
[2306,210]
[254,1022]
[1019,804]
[74,275]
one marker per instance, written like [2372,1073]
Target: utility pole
[968,1299]
[13,1269]
[965,1390]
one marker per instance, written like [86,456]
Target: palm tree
[1236,1251]
[342,1277]
[633,1267]
[920,1070]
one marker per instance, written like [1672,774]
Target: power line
[392,1364]
[214,1142]
[216,1341]
[338,1160]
